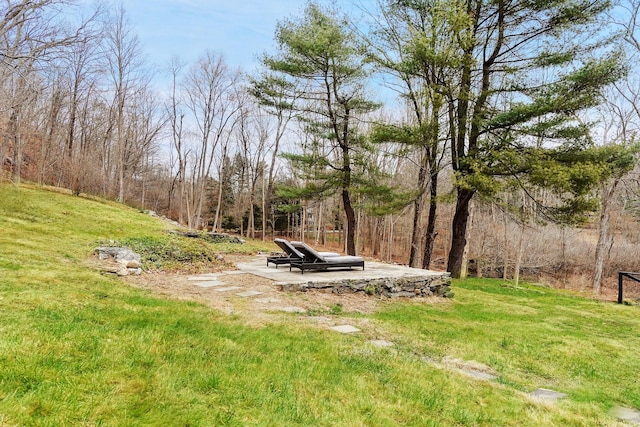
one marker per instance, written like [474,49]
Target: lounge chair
[314,260]
[289,253]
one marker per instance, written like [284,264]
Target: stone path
[548,395]
[471,369]
[209,284]
[345,329]
[248,294]
[228,288]
[626,414]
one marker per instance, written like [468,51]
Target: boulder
[130,263]
[122,255]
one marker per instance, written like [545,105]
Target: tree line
[351,128]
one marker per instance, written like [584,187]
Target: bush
[174,253]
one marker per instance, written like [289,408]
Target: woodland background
[521,114]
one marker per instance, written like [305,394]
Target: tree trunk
[519,254]
[264,210]
[431,232]
[390,240]
[318,223]
[414,259]
[350,237]
[505,257]
[465,253]
[418,206]
[217,221]
[604,237]
[251,223]
[459,232]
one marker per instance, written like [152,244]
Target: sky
[240,30]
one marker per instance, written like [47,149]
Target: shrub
[174,253]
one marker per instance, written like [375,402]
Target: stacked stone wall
[393,287]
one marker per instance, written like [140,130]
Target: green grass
[79,348]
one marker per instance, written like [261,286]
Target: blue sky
[239,30]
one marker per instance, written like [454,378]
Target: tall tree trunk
[16,144]
[519,254]
[414,248]
[430,236]
[251,225]
[318,222]
[351,223]
[459,232]
[465,254]
[506,251]
[604,237]
[217,221]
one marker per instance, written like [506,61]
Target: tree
[526,69]
[272,95]
[32,33]
[620,114]
[176,117]
[413,41]
[129,83]
[81,65]
[618,160]
[319,56]
[253,134]
[211,96]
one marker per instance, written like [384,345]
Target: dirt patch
[258,300]
[178,286]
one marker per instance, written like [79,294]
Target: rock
[119,254]
[109,270]
[546,394]
[132,263]
[129,261]
[219,257]
[223,238]
[105,252]
[134,271]
[626,414]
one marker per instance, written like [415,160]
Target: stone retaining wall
[408,286]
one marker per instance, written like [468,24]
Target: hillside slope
[80,348]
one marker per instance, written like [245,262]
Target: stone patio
[377,278]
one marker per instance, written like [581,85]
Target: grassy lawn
[80,348]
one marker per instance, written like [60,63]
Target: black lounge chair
[314,260]
[291,254]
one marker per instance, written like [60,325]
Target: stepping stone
[319,319]
[202,278]
[545,394]
[249,294]
[429,359]
[209,284]
[345,329]
[478,374]
[267,300]
[228,288]
[232,272]
[625,414]
[293,310]
[381,343]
